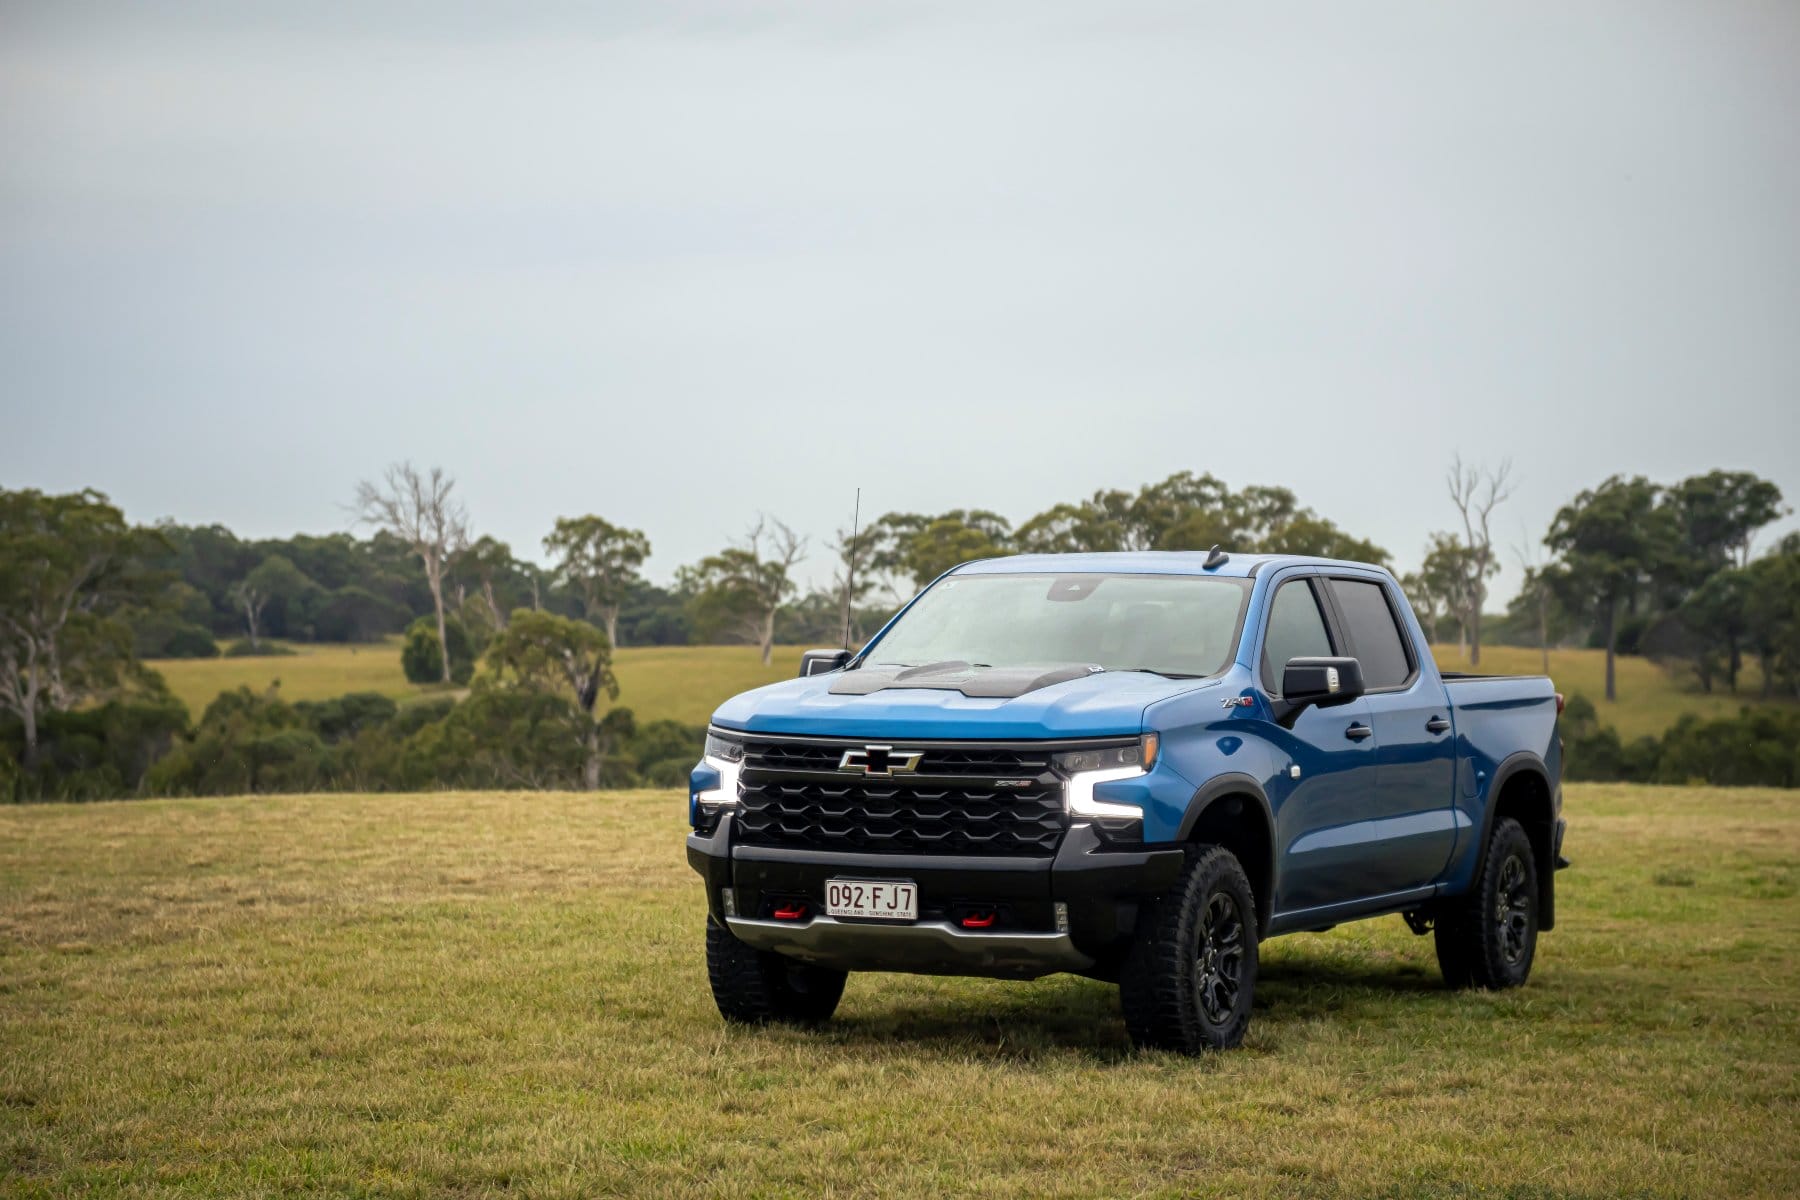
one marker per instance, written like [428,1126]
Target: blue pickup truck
[1133,767]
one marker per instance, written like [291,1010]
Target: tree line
[86,598]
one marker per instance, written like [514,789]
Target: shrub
[1756,747]
[166,635]
[422,659]
[245,648]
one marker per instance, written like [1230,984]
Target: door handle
[1358,732]
[1437,725]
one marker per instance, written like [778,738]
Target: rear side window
[1374,635]
[1296,630]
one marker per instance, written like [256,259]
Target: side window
[1296,630]
[1374,637]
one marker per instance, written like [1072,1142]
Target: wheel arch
[1233,811]
[1521,789]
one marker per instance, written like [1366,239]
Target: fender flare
[1236,783]
[1519,762]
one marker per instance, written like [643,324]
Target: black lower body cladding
[1098,887]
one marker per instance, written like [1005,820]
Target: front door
[1333,752]
[1411,812]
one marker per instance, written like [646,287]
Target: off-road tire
[1190,976]
[755,987]
[1487,938]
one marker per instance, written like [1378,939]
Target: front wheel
[1488,938]
[1191,973]
[754,987]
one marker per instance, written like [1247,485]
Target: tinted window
[1374,638]
[1296,630]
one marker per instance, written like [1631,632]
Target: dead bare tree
[419,510]
[1476,492]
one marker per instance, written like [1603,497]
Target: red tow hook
[790,912]
[978,920]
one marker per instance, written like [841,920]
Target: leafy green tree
[488,564]
[1614,540]
[543,653]
[1719,514]
[1093,526]
[275,578]
[1715,620]
[741,589]
[70,568]
[1445,581]
[1772,616]
[600,561]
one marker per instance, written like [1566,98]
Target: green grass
[687,682]
[476,994]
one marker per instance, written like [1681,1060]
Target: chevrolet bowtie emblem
[881,760]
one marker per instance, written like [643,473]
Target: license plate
[872,899]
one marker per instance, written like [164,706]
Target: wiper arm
[1154,671]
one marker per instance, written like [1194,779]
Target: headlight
[1085,768]
[1112,758]
[726,757]
[723,748]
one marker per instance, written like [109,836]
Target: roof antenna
[1215,558]
[850,568]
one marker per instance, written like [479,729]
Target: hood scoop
[985,683]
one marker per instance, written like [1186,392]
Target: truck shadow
[1065,1014]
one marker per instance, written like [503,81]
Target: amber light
[1153,742]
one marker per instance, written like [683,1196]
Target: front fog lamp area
[1086,768]
[727,758]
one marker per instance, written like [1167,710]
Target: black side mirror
[1320,682]
[818,662]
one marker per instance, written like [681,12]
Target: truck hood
[1093,705]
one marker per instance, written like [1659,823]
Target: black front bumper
[1072,912]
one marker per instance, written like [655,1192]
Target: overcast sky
[675,263]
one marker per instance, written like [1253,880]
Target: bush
[1756,747]
[91,753]
[165,635]
[244,648]
[343,718]
[422,659]
[499,738]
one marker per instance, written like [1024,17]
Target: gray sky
[677,262]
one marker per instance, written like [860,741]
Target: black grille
[955,801]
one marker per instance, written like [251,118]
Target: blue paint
[1398,814]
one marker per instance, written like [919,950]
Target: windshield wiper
[1154,671]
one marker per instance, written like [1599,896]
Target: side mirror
[818,662]
[1318,682]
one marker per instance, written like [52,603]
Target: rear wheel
[1488,938]
[755,987]
[1188,982]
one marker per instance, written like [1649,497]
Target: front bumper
[1075,911]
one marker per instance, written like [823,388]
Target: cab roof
[1149,562]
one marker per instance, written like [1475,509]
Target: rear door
[1411,819]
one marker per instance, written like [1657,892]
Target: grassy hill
[688,682]
[482,993]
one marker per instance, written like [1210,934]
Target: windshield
[1183,625]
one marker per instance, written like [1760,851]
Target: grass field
[688,682]
[480,994]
